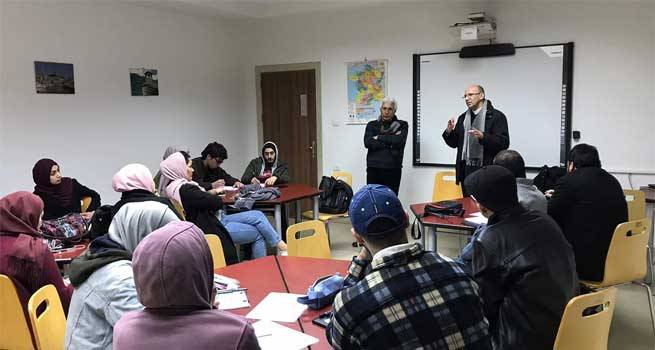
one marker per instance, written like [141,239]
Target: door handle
[312,149]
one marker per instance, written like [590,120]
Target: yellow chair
[50,326]
[86,201]
[344,176]
[636,201]
[626,259]
[179,208]
[216,247]
[14,331]
[445,187]
[589,332]
[315,245]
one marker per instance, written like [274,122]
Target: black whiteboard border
[567,99]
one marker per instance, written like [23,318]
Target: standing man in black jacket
[477,140]
[523,264]
[385,140]
[588,203]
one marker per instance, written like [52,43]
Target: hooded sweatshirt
[173,272]
[258,168]
[103,280]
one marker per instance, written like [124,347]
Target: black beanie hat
[493,186]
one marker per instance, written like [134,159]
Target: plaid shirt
[409,299]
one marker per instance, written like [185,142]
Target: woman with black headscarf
[60,195]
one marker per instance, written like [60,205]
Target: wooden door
[289,120]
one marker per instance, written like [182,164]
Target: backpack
[548,176]
[335,196]
[99,224]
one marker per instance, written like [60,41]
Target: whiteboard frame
[566,105]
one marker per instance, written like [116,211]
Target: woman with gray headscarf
[102,277]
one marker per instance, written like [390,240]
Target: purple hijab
[63,192]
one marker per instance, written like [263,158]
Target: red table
[288,193]
[429,224]
[292,275]
[65,256]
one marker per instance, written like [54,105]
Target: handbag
[70,228]
[444,208]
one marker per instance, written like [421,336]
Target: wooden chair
[14,330]
[216,247]
[636,201]
[344,176]
[626,259]
[315,245]
[445,187]
[86,202]
[578,330]
[179,208]
[49,327]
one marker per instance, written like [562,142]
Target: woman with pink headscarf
[202,207]
[135,184]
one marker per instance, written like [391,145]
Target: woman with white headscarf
[103,279]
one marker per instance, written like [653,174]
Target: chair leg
[327,229]
[650,303]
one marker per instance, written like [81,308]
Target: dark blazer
[496,138]
[53,209]
[201,208]
[588,204]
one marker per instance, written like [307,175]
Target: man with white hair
[385,140]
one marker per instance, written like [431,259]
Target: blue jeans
[251,227]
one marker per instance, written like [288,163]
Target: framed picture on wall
[144,82]
[54,78]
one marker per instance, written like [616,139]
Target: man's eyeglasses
[471,94]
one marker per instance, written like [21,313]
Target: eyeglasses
[471,94]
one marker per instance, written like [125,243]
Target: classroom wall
[613,73]
[101,127]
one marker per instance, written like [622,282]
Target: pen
[231,290]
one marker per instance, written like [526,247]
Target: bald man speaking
[479,134]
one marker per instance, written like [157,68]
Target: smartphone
[323,319]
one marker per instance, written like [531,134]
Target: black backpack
[548,176]
[335,196]
[99,224]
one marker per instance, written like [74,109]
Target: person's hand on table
[254,181]
[271,181]
[238,185]
[218,183]
[88,215]
[217,191]
[476,133]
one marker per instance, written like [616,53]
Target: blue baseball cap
[372,202]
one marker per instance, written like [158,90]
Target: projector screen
[532,88]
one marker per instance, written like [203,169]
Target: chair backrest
[626,257]
[579,330]
[636,204]
[50,326]
[344,176]
[14,331]
[216,247]
[86,201]
[445,187]
[313,246]
[179,208]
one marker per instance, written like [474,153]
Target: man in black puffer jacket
[523,263]
[385,140]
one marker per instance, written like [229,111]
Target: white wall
[101,127]
[613,73]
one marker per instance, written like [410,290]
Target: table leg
[298,206]
[315,207]
[431,239]
[421,228]
[278,218]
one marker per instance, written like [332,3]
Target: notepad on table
[271,335]
[281,307]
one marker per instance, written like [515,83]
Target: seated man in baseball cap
[523,263]
[397,295]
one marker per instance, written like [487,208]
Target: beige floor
[631,326]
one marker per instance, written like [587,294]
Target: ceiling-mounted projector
[479,27]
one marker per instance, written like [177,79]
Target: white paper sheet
[232,300]
[278,337]
[281,307]
[476,220]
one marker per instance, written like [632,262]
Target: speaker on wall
[487,50]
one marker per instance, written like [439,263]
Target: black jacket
[201,208]
[53,209]
[496,138]
[526,271]
[387,150]
[205,176]
[588,204]
[141,196]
